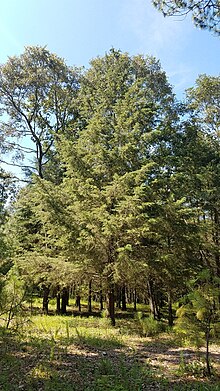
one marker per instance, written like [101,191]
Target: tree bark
[152,302]
[118,297]
[123,298]
[90,297]
[101,300]
[58,303]
[64,297]
[111,304]
[170,310]
[207,351]
[216,241]
[78,302]
[46,291]
[135,299]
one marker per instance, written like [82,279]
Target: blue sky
[79,30]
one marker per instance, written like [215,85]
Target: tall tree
[125,103]
[204,101]
[37,92]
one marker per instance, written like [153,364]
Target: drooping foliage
[205,14]
[128,194]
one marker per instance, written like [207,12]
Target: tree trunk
[78,302]
[111,304]
[64,296]
[170,310]
[101,300]
[31,301]
[135,299]
[58,303]
[130,296]
[153,305]
[67,296]
[90,297]
[216,241]
[118,297]
[123,298]
[151,299]
[46,291]
[207,351]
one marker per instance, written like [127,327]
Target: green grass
[52,353]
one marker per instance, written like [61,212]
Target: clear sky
[79,30]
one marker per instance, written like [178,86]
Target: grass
[52,353]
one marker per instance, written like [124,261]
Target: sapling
[199,318]
[12,298]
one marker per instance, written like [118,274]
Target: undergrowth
[87,354]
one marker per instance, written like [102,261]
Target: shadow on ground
[84,365]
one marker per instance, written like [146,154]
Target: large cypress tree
[126,104]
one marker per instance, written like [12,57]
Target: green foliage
[205,14]
[200,317]
[36,94]
[135,201]
[121,378]
[195,368]
[204,100]
[12,299]
[150,327]
[203,305]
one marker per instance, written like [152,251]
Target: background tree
[36,97]
[205,14]
[204,101]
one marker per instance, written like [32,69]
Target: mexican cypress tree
[124,103]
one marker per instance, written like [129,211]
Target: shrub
[150,326]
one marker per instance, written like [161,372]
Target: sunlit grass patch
[55,334]
[41,372]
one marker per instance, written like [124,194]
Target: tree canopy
[36,97]
[124,195]
[205,14]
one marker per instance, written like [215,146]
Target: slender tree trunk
[58,303]
[151,299]
[111,304]
[130,296]
[39,151]
[90,297]
[31,301]
[46,291]
[67,296]
[101,300]
[207,354]
[135,299]
[118,297]
[216,241]
[123,298]
[207,351]
[64,296]
[10,315]
[170,310]
[78,302]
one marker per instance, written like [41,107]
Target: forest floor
[73,353]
